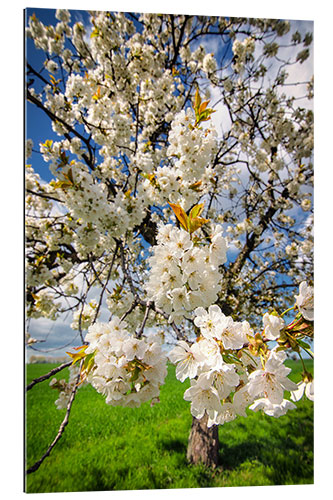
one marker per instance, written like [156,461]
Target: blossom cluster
[127,370]
[230,368]
[242,52]
[185,274]
[192,150]
[224,389]
[45,305]
[228,375]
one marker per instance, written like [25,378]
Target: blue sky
[37,124]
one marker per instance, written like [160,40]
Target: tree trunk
[203,443]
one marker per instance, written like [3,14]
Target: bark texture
[203,443]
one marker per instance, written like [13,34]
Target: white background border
[12,243]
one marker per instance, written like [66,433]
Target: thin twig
[48,375]
[50,114]
[127,275]
[106,282]
[36,465]
[175,328]
[133,306]
[42,195]
[149,306]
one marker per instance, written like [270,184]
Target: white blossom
[188,359]
[203,397]
[272,409]
[303,387]
[272,326]
[271,380]
[305,301]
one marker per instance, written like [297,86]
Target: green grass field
[113,448]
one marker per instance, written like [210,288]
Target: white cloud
[221,118]
[211,44]
[298,73]
[87,26]
[57,337]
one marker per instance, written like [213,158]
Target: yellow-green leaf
[48,143]
[70,175]
[89,362]
[196,186]
[197,100]
[80,347]
[196,210]
[97,95]
[61,184]
[181,215]
[196,223]
[40,259]
[94,33]
[202,107]
[78,355]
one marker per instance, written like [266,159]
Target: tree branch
[36,465]
[144,321]
[106,281]
[42,195]
[48,375]
[40,105]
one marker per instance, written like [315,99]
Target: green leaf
[303,344]
[89,362]
[205,115]
[135,374]
[194,221]
[202,113]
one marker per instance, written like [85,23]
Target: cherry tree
[182,196]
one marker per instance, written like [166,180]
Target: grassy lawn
[114,448]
